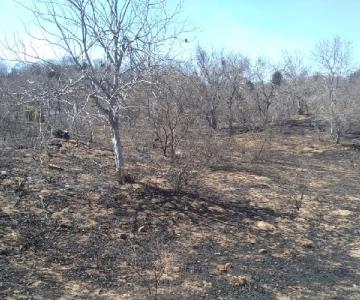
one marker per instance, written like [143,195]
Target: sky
[250,27]
[268,27]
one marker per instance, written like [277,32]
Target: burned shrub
[61,134]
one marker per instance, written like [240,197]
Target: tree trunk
[302,107]
[211,118]
[117,145]
[231,116]
[338,136]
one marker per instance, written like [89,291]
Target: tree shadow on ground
[197,207]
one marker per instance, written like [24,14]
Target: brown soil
[282,223]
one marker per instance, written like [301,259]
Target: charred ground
[279,223]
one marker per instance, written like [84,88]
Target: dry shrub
[148,255]
[198,151]
[263,142]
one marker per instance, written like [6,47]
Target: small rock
[45,192]
[168,205]
[262,225]
[3,173]
[225,268]
[155,200]
[239,280]
[263,251]
[307,244]
[177,269]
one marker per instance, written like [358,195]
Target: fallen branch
[55,167]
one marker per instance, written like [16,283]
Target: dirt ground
[285,225]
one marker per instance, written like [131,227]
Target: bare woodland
[152,131]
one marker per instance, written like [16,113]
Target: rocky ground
[278,223]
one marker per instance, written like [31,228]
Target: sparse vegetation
[233,178]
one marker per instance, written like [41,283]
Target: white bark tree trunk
[117,145]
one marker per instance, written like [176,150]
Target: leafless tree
[296,88]
[127,37]
[221,80]
[170,109]
[333,56]
[211,76]
[265,90]
[234,69]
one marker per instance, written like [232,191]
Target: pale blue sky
[267,27]
[251,27]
